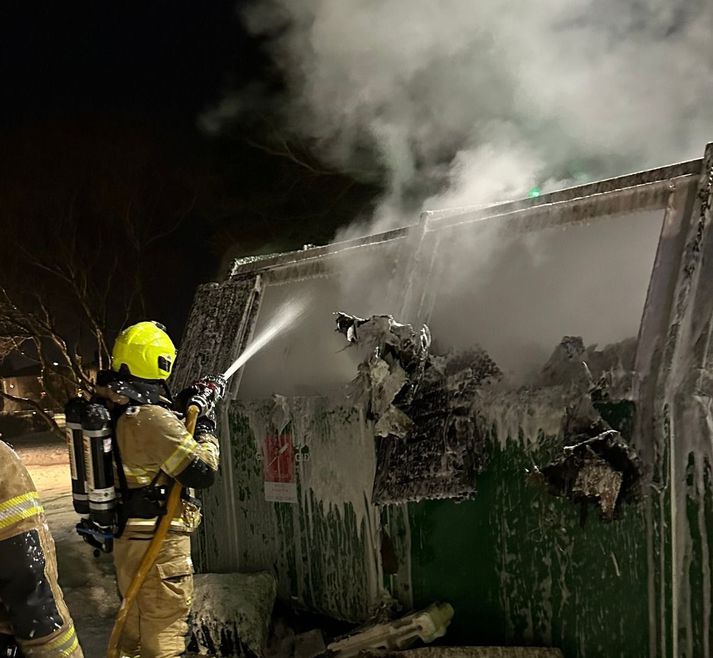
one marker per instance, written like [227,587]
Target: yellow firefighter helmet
[146,351]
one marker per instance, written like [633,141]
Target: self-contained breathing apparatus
[99,489]
[90,445]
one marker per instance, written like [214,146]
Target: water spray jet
[289,313]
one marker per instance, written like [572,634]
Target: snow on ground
[88,583]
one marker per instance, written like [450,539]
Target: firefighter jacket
[32,607]
[155,447]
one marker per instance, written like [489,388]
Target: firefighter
[152,449]
[32,608]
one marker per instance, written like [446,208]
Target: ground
[88,583]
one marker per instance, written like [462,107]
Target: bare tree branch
[71,287]
[287,153]
[161,235]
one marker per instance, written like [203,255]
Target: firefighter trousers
[157,624]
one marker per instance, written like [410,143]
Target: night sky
[159,59]
[99,118]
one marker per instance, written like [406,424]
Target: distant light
[54,363]
[534,192]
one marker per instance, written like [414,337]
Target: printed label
[103,495]
[281,492]
[279,469]
[70,447]
[89,470]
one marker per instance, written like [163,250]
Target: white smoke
[474,101]
[467,102]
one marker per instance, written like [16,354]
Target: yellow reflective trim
[35,510]
[61,639]
[135,470]
[18,508]
[141,525]
[66,643]
[187,448]
[141,479]
[18,500]
[72,647]
[138,475]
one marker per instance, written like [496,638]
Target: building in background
[49,394]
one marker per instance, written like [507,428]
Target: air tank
[97,437]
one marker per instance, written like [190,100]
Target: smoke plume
[461,102]
[465,102]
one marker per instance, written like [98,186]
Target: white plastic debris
[427,625]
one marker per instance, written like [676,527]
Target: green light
[534,192]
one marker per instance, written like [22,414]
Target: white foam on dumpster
[232,611]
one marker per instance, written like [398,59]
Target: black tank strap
[126,493]
[123,485]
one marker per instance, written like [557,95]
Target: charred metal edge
[320,266]
[647,196]
[680,358]
[254,264]
[660,176]
[690,167]
[302,265]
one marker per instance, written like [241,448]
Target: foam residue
[335,483]
[521,415]
[232,612]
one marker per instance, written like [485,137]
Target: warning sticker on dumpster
[280,480]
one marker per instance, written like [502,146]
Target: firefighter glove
[204,394]
[205,425]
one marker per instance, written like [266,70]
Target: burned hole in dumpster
[602,471]
[596,466]
[423,407]
[310,360]
[427,444]
[495,303]
[513,295]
